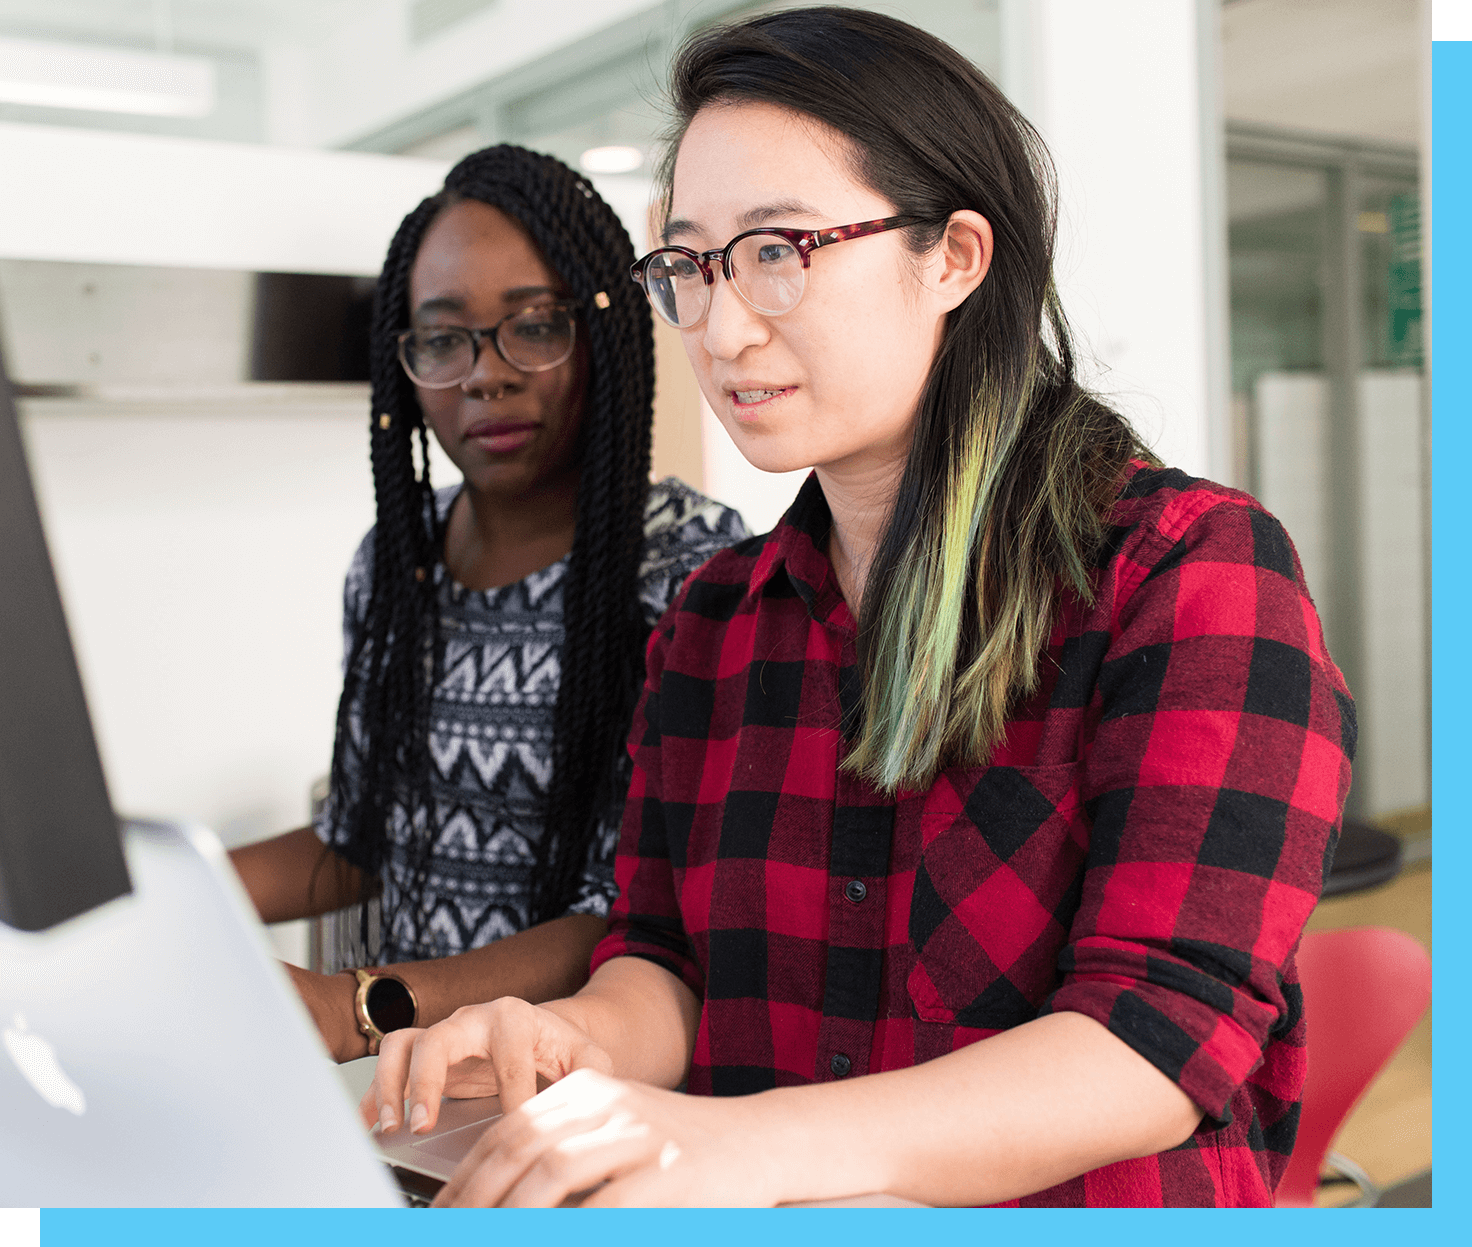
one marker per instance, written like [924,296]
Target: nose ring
[496,397]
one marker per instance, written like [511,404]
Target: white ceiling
[1345,67]
[251,24]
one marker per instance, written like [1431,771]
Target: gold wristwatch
[382,1003]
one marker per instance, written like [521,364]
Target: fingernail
[418,1117]
[386,1118]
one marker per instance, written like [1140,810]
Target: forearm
[642,1016]
[1010,1115]
[295,876]
[541,963]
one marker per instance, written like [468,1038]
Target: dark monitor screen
[60,849]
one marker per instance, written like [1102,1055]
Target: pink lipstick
[500,437]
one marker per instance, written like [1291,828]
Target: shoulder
[724,587]
[359,583]
[1164,518]
[682,529]
[676,514]
[1206,575]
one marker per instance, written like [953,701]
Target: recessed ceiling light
[110,80]
[617,159]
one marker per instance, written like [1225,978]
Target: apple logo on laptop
[36,1060]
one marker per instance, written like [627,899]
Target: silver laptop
[152,1052]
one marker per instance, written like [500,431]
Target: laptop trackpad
[453,1145]
[460,1124]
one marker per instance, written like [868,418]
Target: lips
[501,436]
[751,398]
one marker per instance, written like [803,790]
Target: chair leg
[1341,1164]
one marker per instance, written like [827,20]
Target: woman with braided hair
[494,630]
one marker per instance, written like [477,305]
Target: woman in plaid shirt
[978,808]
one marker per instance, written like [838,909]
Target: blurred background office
[195,196]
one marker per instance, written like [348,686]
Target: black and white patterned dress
[491,733]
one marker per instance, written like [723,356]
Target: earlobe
[966,252]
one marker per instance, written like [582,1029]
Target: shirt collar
[797,548]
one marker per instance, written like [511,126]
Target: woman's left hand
[627,1144]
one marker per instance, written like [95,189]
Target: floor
[1389,1132]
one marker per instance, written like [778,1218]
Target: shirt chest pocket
[997,882]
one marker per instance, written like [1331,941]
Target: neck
[514,518]
[861,498]
[495,539]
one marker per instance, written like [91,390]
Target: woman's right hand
[499,1048]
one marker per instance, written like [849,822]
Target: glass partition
[1331,423]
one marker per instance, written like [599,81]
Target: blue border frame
[1451,682]
[1451,742]
[719,1228]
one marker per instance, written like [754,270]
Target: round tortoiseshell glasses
[767,267]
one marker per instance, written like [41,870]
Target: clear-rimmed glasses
[534,339]
[767,267]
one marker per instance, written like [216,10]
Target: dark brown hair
[1013,464]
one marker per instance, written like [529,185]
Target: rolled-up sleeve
[1214,783]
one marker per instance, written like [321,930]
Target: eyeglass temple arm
[861,229]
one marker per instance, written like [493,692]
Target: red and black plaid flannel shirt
[1144,847]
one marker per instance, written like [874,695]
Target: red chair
[1364,989]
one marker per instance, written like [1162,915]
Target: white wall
[1116,91]
[141,199]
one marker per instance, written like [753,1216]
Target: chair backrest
[1364,988]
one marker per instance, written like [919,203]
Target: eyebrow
[749,219]
[444,304]
[455,304]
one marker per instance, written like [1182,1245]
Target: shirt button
[840,1064]
[855,890]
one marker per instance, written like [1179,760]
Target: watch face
[389,1005]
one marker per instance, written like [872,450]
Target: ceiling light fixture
[617,159]
[109,80]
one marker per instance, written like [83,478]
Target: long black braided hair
[384,714]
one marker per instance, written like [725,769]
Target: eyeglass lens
[532,341]
[766,270]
